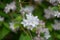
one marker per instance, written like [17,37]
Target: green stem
[29,33]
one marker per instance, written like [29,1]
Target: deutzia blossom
[59,1]
[38,1]
[39,30]
[38,38]
[41,26]
[56,26]
[42,23]
[1,18]
[57,13]
[48,13]
[9,7]
[54,2]
[46,32]
[13,27]
[27,9]
[30,21]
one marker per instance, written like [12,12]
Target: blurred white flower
[9,7]
[51,13]
[57,14]
[30,21]
[27,9]
[40,28]
[59,1]
[43,30]
[52,1]
[38,38]
[38,1]
[56,26]
[46,32]
[42,23]
[1,18]
[48,13]
[13,27]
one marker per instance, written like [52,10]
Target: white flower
[38,38]
[40,28]
[13,27]
[38,1]
[47,36]
[42,23]
[57,13]
[43,30]
[46,32]
[9,7]
[30,21]
[59,1]
[27,9]
[1,18]
[48,13]
[54,2]
[56,26]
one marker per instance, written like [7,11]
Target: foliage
[23,33]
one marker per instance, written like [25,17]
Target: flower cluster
[30,21]
[9,7]
[57,14]
[56,26]
[54,2]
[27,9]
[32,17]
[49,13]
[13,27]
[38,1]
[45,31]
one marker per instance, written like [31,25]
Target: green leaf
[2,6]
[4,14]
[49,24]
[18,18]
[6,25]
[3,33]
[55,8]
[6,1]
[38,12]
[24,37]
[45,4]
[50,38]
[58,36]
